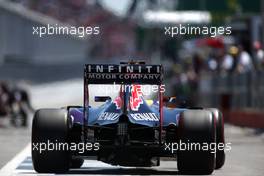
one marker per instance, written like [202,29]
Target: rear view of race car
[128,130]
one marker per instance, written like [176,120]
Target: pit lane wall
[19,45]
[239,96]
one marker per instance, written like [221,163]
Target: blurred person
[14,104]
[4,100]
[193,84]
[244,61]
[197,63]
[212,63]
[233,51]
[259,54]
[227,61]
[20,105]
[179,83]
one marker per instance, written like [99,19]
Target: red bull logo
[118,102]
[136,97]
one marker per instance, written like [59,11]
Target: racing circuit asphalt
[246,157]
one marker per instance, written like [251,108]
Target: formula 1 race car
[128,130]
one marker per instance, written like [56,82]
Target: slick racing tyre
[76,163]
[220,138]
[50,127]
[196,130]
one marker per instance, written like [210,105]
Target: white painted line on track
[11,166]
[21,164]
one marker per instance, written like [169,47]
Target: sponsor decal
[123,68]
[108,116]
[136,97]
[118,102]
[111,116]
[123,73]
[122,76]
[144,117]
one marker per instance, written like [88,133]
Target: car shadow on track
[123,171]
[26,167]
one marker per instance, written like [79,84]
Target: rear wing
[127,73]
[123,74]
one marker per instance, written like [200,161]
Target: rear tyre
[196,127]
[50,126]
[76,163]
[220,138]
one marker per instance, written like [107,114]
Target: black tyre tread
[52,125]
[196,126]
[220,137]
[76,163]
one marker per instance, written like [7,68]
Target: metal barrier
[234,91]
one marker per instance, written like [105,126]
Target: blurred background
[225,71]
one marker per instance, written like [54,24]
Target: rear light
[122,129]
